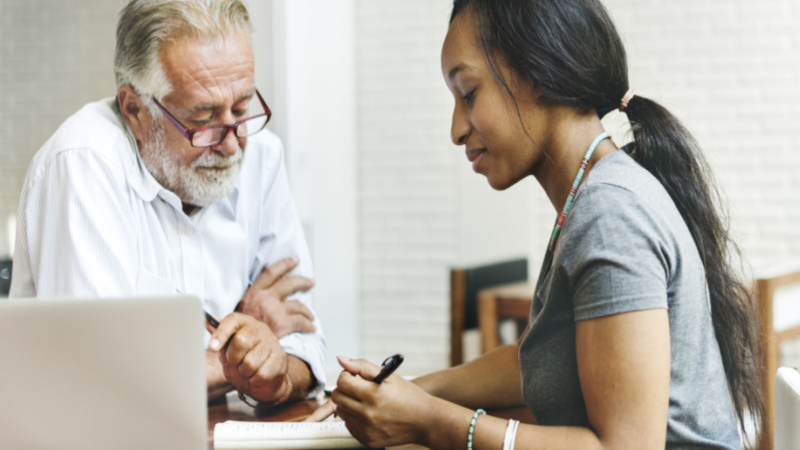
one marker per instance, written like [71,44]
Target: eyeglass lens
[213,136]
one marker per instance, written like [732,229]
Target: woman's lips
[475,157]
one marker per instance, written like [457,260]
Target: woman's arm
[490,381]
[624,368]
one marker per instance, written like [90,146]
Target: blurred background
[388,203]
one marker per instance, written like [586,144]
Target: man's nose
[229,144]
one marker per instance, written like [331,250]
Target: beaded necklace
[571,197]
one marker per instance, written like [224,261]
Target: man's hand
[252,359]
[265,299]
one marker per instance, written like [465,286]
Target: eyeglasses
[214,134]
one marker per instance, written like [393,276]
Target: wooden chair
[495,304]
[766,286]
[464,286]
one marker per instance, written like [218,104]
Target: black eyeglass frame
[189,134]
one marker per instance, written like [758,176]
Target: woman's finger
[322,413]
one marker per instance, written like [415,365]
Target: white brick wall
[407,181]
[730,70]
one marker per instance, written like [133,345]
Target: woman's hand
[322,413]
[378,415]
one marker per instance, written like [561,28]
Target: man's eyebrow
[202,107]
[459,68]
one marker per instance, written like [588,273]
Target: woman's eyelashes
[469,97]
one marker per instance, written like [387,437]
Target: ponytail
[664,147]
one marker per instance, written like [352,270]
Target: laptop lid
[102,374]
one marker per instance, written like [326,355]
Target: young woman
[640,335]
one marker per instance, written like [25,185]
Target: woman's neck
[570,138]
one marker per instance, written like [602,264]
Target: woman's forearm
[491,381]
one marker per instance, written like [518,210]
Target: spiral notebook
[234,435]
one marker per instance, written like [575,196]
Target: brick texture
[729,70]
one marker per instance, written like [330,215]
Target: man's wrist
[217,384]
[284,395]
[302,378]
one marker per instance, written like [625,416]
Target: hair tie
[626,99]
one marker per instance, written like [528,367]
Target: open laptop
[102,374]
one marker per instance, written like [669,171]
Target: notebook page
[297,435]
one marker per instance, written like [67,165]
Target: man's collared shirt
[93,222]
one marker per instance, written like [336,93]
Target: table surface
[231,408]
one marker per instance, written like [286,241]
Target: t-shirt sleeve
[619,257]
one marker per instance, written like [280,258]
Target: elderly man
[175,186]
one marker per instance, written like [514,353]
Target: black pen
[214,322]
[388,367]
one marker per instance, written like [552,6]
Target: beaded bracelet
[285,396]
[472,427]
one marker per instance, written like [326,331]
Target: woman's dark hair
[570,53]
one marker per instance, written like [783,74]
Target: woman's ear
[133,111]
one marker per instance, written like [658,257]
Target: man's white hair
[145,25]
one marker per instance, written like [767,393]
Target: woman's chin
[499,183]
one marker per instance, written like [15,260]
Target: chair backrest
[787,409]
[778,327]
[464,285]
[5,277]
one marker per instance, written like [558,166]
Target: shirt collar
[140,179]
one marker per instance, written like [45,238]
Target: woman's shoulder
[619,186]
[622,206]
[619,170]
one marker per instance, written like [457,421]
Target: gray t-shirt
[624,247]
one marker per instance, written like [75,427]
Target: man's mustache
[214,160]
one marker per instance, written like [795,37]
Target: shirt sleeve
[75,236]
[282,237]
[619,258]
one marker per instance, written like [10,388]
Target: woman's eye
[469,97]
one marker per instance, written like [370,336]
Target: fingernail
[213,344]
[295,259]
[344,358]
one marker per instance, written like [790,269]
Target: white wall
[388,201]
[316,86]
[730,70]
[54,58]
[422,209]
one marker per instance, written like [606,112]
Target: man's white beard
[194,185]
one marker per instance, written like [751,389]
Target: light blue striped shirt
[93,222]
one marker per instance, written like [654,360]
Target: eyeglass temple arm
[184,131]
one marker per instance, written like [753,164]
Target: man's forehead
[210,71]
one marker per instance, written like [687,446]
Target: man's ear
[133,112]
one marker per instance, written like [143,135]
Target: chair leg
[487,321]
